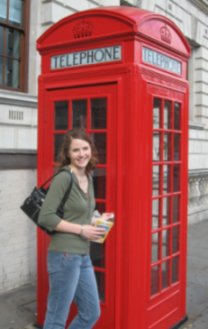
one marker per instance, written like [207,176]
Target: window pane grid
[12,11]
[78,113]
[12,38]
[166,180]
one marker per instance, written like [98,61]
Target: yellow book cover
[107,225]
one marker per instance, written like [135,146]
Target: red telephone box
[120,73]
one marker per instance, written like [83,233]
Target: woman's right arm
[89,232]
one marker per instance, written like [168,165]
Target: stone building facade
[18,114]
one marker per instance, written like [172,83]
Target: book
[106,224]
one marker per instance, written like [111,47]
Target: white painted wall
[17,234]
[18,121]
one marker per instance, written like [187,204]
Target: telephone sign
[160,60]
[86,57]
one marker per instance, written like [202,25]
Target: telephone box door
[92,108]
[167,271]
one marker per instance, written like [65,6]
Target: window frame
[24,53]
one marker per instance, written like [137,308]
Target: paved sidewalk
[197,290]
[18,307]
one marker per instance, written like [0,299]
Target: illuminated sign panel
[86,57]
[161,61]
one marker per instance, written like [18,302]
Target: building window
[13,28]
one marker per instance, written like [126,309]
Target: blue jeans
[71,277]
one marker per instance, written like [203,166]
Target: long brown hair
[64,158]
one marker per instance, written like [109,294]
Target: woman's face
[80,153]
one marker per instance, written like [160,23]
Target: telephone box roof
[113,21]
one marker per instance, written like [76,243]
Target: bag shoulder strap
[51,177]
[66,195]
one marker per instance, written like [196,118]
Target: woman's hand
[91,232]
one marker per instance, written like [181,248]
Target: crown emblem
[82,30]
[165,34]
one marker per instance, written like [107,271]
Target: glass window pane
[165,274]
[1,40]
[156,113]
[167,147]
[167,115]
[3,9]
[175,269]
[100,183]
[175,209]
[177,146]
[8,73]
[13,43]
[155,247]
[1,70]
[15,77]
[175,239]
[79,113]
[15,11]
[12,73]
[100,277]
[177,116]
[165,243]
[97,253]
[155,213]
[57,145]
[155,274]
[156,147]
[16,44]
[100,144]
[166,211]
[176,178]
[61,115]
[9,42]
[156,180]
[166,178]
[98,113]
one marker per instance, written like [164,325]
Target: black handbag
[33,203]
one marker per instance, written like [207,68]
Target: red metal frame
[130,86]
[169,297]
[69,95]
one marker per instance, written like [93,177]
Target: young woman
[71,275]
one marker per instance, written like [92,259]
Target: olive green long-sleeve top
[78,209]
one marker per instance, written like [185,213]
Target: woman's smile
[79,153]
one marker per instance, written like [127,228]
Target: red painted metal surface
[120,72]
